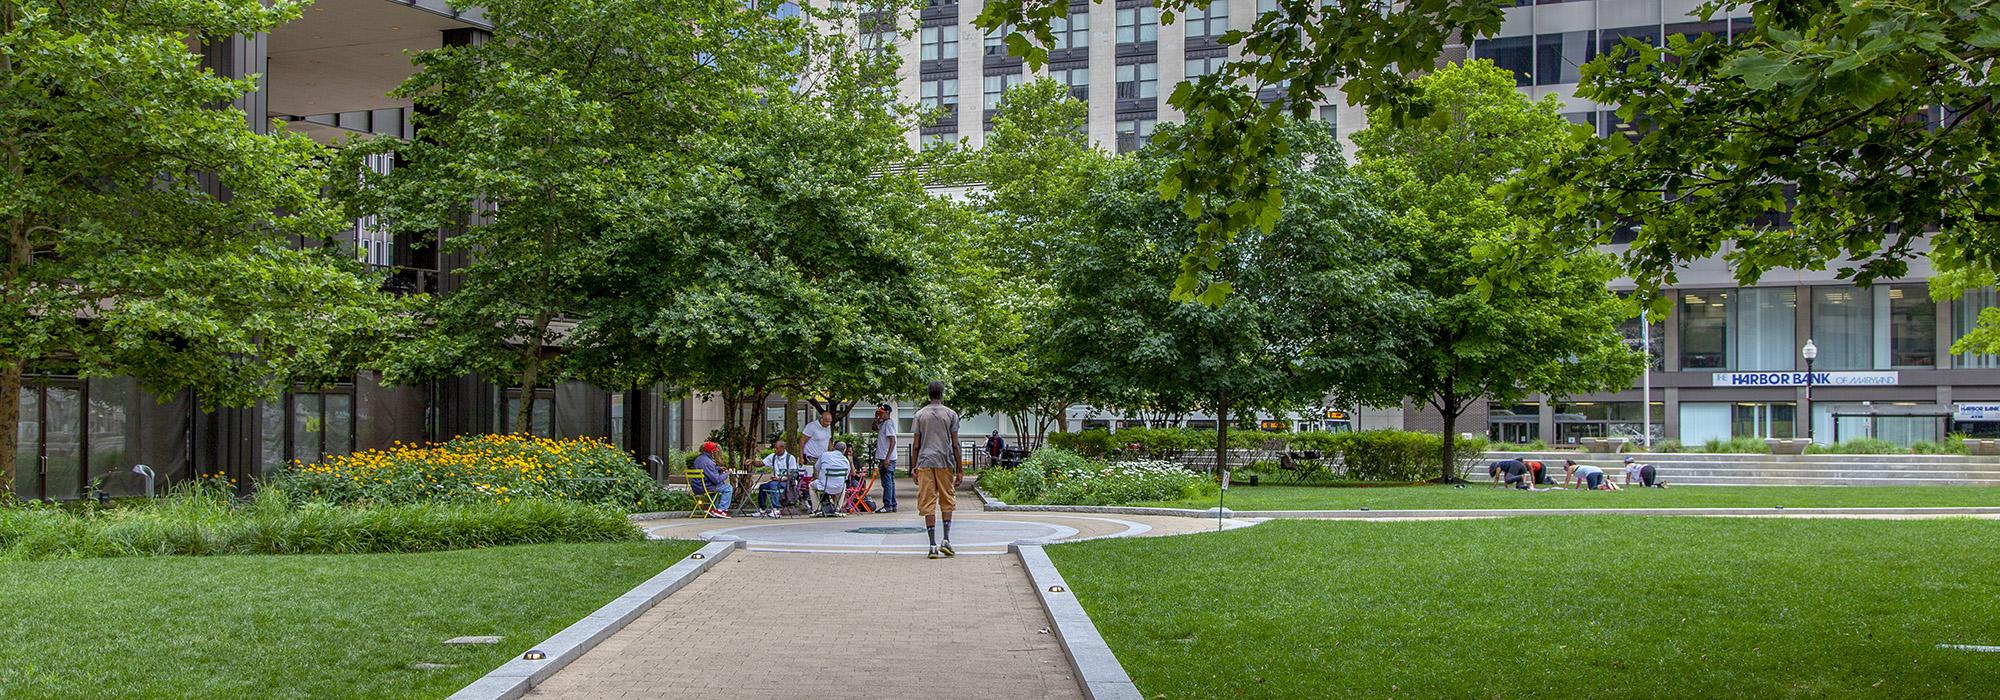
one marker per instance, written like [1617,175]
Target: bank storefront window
[1843,328]
[1705,330]
[1907,311]
[1766,323]
[1965,316]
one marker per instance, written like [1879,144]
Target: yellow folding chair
[697,486]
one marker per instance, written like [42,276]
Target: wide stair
[1684,469]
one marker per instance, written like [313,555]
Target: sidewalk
[820,626]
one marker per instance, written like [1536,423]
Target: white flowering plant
[1054,476]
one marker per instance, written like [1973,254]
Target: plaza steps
[1683,469]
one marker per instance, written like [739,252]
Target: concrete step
[1794,481]
[1663,457]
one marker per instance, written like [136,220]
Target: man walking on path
[885,456]
[934,442]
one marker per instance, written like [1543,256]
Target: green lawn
[1486,496]
[1551,607]
[321,626]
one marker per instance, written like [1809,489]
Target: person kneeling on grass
[1588,476]
[1647,474]
[1513,470]
[831,472]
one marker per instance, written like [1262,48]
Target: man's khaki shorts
[934,488]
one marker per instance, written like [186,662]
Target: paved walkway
[806,617]
[829,626]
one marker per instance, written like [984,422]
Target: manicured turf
[1576,606]
[1486,496]
[321,626]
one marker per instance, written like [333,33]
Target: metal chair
[697,487]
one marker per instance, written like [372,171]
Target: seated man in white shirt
[785,473]
[830,480]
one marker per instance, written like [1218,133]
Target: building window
[1965,317]
[997,87]
[1331,115]
[1519,423]
[1134,134]
[996,40]
[1766,329]
[542,423]
[1559,56]
[1197,67]
[1608,39]
[1209,22]
[1265,6]
[1764,419]
[942,139]
[1513,53]
[1705,330]
[1077,78]
[940,93]
[1072,32]
[1843,328]
[940,43]
[879,41]
[1911,317]
[1138,81]
[306,426]
[1138,25]
[1617,419]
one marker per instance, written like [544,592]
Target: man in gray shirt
[934,457]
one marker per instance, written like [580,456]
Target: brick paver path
[833,626]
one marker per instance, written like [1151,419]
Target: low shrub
[1953,444]
[1056,476]
[1400,455]
[1668,446]
[1535,445]
[482,469]
[200,519]
[1095,442]
[1735,445]
[1858,446]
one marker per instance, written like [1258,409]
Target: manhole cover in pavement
[886,530]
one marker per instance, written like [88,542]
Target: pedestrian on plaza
[817,435]
[885,455]
[994,448]
[1513,470]
[830,478]
[714,481]
[934,444]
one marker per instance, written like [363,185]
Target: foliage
[140,211]
[1952,281]
[1735,445]
[1164,605]
[1399,455]
[1229,181]
[1004,240]
[1668,446]
[1550,326]
[199,519]
[1379,496]
[1056,476]
[483,469]
[1535,445]
[1095,442]
[317,626]
[578,117]
[1311,308]
[1811,137]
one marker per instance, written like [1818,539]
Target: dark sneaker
[935,554]
[947,550]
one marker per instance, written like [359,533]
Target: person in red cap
[713,480]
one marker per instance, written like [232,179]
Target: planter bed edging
[1097,669]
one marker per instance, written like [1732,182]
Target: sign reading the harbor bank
[1977,412]
[1799,378]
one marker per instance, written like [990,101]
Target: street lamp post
[1810,352]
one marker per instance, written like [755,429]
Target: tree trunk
[10,423]
[1450,408]
[531,372]
[791,418]
[1221,437]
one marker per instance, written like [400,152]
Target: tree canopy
[149,227]
[1547,326]
[1309,309]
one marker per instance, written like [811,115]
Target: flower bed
[1055,476]
[483,469]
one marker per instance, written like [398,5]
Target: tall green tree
[535,144]
[1307,313]
[1007,248]
[1825,133]
[1543,326]
[785,260]
[148,230]
[1228,180]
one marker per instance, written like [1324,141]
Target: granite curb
[514,678]
[1097,669]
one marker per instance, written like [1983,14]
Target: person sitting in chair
[831,479]
[785,470]
[714,480]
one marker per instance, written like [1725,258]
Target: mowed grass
[318,626]
[1483,495]
[1577,606]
